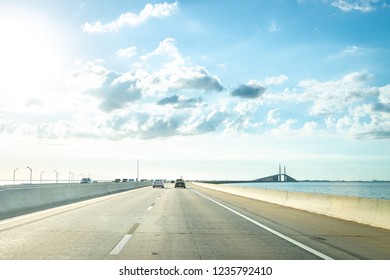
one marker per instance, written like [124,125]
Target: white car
[158,183]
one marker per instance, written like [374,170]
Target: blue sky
[200,89]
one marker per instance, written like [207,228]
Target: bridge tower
[280,173]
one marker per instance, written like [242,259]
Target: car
[158,183]
[124,180]
[180,183]
[86,181]
[117,180]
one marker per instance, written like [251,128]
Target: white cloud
[273,116]
[347,52]
[210,122]
[351,50]
[170,72]
[149,11]
[333,96]
[91,75]
[162,72]
[286,128]
[360,122]
[127,52]
[309,127]
[166,95]
[179,78]
[364,6]
[384,95]
[167,50]
[357,5]
[275,80]
[248,107]
[348,106]
[274,27]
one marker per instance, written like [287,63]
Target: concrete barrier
[24,197]
[373,212]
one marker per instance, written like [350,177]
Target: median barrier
[373,212]
[17,198]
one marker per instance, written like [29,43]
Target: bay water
[369,189]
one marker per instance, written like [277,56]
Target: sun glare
[29,54]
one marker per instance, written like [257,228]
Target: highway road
[185,224]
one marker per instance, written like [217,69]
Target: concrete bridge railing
[374,212]
[16,198]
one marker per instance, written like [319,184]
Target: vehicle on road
[86,181]
[180,183]
[124,180]
[158,183]
[117,180]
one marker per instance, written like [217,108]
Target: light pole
[56,175]
[40,177]
[137,170]
[30,174]
[14,175]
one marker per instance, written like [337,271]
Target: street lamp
[72,177]
[30,174]
[56,175]
[40,177]
[137,170]
[14,175]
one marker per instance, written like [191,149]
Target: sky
[201,89]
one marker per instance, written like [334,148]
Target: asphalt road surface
[185,224]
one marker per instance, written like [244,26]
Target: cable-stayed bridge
[279,177]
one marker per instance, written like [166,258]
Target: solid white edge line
[120,245]
[303,246]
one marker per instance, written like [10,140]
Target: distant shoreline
[299,181]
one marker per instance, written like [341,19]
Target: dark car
[180,183]
[86,181]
